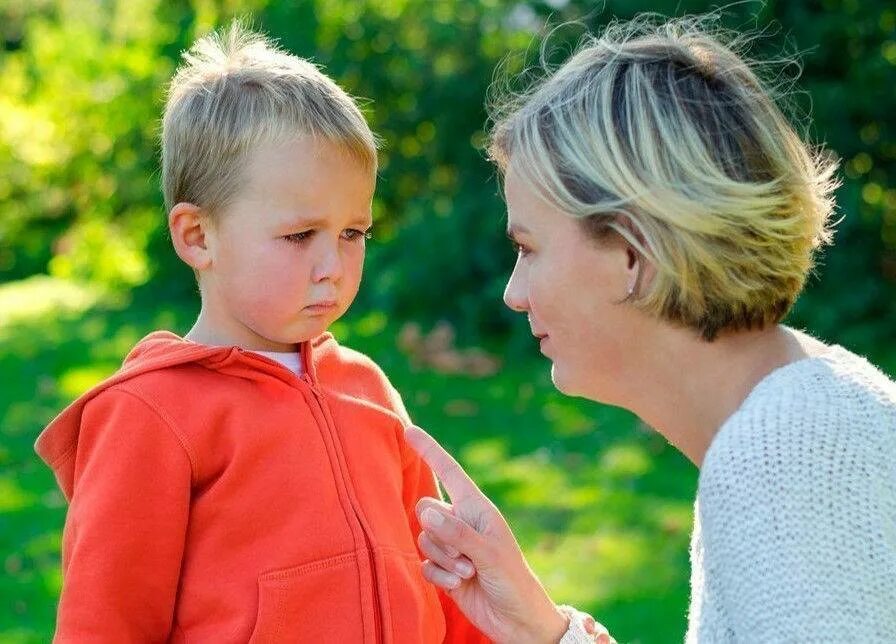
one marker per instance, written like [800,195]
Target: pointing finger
[449,472]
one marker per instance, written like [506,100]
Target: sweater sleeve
[798,516]
[419,481]
[125,529]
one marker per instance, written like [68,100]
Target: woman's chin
[568,385]
[562,382]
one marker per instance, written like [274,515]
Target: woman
[666,215]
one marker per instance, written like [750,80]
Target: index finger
[457,483]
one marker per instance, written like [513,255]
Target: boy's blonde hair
[663,135]
[235,91]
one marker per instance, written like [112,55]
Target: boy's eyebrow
[322,222]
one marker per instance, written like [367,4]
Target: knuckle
[458,530]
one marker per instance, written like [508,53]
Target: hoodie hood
[159,350]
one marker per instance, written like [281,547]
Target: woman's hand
[502,596]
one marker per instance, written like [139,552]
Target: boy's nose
[328,267]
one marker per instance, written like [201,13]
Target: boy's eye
[353,234]
[298,238]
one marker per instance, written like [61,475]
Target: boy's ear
[189,226]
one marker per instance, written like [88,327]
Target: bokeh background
[601,504]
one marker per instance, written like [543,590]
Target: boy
[250,481]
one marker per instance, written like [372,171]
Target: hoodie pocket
[315,602]
[415,611]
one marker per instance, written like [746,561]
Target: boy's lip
[324,306]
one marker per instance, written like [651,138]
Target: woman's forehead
[527,210]
[519,195]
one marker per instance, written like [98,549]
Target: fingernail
[432,518]
[463,569]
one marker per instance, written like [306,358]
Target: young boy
[250,481]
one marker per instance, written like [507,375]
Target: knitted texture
[795,520]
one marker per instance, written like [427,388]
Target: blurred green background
[602,505]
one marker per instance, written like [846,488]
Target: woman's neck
[697,385]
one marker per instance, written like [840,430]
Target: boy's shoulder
[350,373]
[330,356]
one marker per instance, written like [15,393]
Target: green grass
[601,505]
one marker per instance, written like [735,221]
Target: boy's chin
[311,331]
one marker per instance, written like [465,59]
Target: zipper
[308,380]
[368,542]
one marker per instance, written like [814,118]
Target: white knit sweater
[795,521]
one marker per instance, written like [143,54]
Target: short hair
[234,91]
[659,132]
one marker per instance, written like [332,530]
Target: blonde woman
[666,215]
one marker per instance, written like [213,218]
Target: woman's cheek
[540,290]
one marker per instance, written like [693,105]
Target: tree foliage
[81,93]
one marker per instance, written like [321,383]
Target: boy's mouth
[321,308]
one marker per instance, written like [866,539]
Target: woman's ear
[634,269]
[639,270]
[189,226]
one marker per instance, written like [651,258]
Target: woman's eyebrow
[516,229]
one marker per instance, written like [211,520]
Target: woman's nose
[516,292]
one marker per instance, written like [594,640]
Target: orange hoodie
[217,497]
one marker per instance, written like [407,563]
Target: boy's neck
[204,331]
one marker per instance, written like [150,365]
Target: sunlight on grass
[77,380]
[672,518]
[39,296]
[592,568]
[536,480]
[567,420]
[13,497]
[370,324]
[625,461]
[18,636]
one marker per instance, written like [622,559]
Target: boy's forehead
[297,206]
[311,158]
[303,172]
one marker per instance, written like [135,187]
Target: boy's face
[287,253]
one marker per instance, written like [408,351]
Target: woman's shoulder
[834,390]
[799,489]
[831,376]
[810,416]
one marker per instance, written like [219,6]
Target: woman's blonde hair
[660,133]
[235,91]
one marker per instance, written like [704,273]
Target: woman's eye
[298,238]
[353,234]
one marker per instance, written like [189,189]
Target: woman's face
[571,288]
